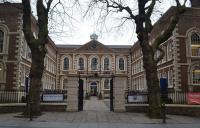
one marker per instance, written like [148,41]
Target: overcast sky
[84,27]
[78,30]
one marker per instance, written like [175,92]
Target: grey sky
[77,30]
[83,27]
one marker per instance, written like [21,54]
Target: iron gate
[80,95]
[111,95]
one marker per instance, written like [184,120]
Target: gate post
[72,94]
[119,93]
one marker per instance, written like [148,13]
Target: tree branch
[150,9]
[119,6]
[27,22]
[168,32]
[42,22]
[49,5]
[161,56]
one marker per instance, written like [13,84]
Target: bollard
[31,109]
[164,113]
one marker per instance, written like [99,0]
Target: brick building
[95,63]
[181,63]
[15,55]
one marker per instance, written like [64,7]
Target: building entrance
[93,89]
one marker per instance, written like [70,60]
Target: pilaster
[118,92]
[72,94]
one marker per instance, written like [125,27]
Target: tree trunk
[154,91]
[35,75]
[150,67]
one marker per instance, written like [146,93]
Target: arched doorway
[93,89]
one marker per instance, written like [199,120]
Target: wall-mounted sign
[193,98]
[137,98]
[53,97]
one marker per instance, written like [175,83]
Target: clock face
[93,46]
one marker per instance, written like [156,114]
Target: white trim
[5,30]
[77,62]
[110,63]
[62,62]
[90,62]
[117,62]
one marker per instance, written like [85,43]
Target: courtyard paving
[96,114]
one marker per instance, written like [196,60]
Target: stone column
[119,93]
[72,94]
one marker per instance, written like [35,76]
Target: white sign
[137,98]
[52,97]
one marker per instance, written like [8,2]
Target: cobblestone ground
[96,115]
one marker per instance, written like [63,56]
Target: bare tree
[37,46]
[144,27]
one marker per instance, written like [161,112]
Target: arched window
[2,71]
[65,82]
[195,39]
[94,64]
[106,84]
[106,64]
[66,63]
[121,64]
[195,44]
[1,40]
[81,64]
[196,75]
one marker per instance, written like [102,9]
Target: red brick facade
[181,61]
[16,55]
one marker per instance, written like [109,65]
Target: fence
[140,97]
[12,96]
[19,96]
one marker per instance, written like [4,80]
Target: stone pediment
[94,46]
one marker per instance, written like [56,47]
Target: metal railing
[140,97]
[19,96]
[12,96]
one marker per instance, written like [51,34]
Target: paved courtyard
[96,115]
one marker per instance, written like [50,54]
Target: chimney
[195,3]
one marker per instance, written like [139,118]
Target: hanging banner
[193,97]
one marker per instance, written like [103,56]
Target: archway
[93,89]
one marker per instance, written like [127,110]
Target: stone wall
[187,110]
[72,94]
[119,93]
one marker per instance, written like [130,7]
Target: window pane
[65,81]
[66,64]
[195,39]
[196,75]
[81,64]
[1,41]
[1,73]
[106,84]
[94,64]
[106,64]
[121,64]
